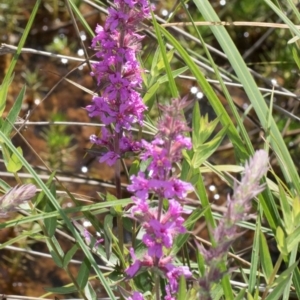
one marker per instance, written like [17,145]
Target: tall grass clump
[165,154]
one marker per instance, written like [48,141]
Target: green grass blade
[284,18]
[258,102]
[51,223]
[8,75]
[254,258]
[62,290]
[95,208]
[83,273]
[162,46]
[296,281]
[81,18]
[287,289]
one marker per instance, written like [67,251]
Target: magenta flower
[157,236]
[178,189]
[174,274]
[139,185]
[136,296]
[110,158]
[137,263]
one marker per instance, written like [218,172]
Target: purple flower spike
[162,226]
[118,75]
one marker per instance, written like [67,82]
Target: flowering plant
[118,73]
[167,232]
[159,195]
[162,226]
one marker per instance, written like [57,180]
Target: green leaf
[266,261]
[200,191]
[5,187]
[110,197]
[284,17]
[281,282]
[51,223]
[41,199]
[151,91]
[117,208]
[200,263]
[206,129]
[108,226]
[202,128]
[3,92]
[169,55]
[175,73]
[89,292]
[196,124]
[56,255]
[14,163]
[95,208]
[286,210]
[296,281]
[182,288]
[134,168]
[69,255]
[241,294]
[296,211]
[83,273]
[149,95]
[154,71]
[61,290]
[296,57]
[204,151]
[18,239]
[281,241]
[292,260]
[13,113]
[293,239]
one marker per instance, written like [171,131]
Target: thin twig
[46,255]
[226,23]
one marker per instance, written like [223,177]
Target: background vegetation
[247,75]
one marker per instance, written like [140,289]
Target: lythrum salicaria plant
[158,195]
[161,223]
[119,107]
[118,74]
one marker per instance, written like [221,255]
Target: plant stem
[119,192]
